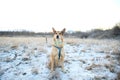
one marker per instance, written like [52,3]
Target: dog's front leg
[52,63]
[62,63]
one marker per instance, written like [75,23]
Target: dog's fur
[54,61]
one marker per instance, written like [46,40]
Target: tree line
[96,33]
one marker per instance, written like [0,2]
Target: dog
[57,54]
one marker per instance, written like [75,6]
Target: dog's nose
[57,37]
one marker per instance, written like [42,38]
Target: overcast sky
[42,15]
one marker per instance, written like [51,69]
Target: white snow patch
[76,63]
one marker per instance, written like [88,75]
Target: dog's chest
[56,51]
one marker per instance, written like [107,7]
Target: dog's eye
[60,33]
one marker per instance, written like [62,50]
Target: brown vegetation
[113,33]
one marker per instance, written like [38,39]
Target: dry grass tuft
[107,45]
[42,49]
[118,76]
[25,56]
[93,66]
[55,75]
[34,70]
[110,67]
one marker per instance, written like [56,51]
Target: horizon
[41,16]
[21,30]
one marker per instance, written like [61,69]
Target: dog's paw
[51,71]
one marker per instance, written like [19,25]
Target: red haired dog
[57,55]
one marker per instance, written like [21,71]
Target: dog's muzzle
[57,37]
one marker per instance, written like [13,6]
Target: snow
[29,63]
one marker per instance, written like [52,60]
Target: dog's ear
[54,31]
[63,31]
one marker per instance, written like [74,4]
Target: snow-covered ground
[27,59]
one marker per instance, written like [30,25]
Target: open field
[26,58]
